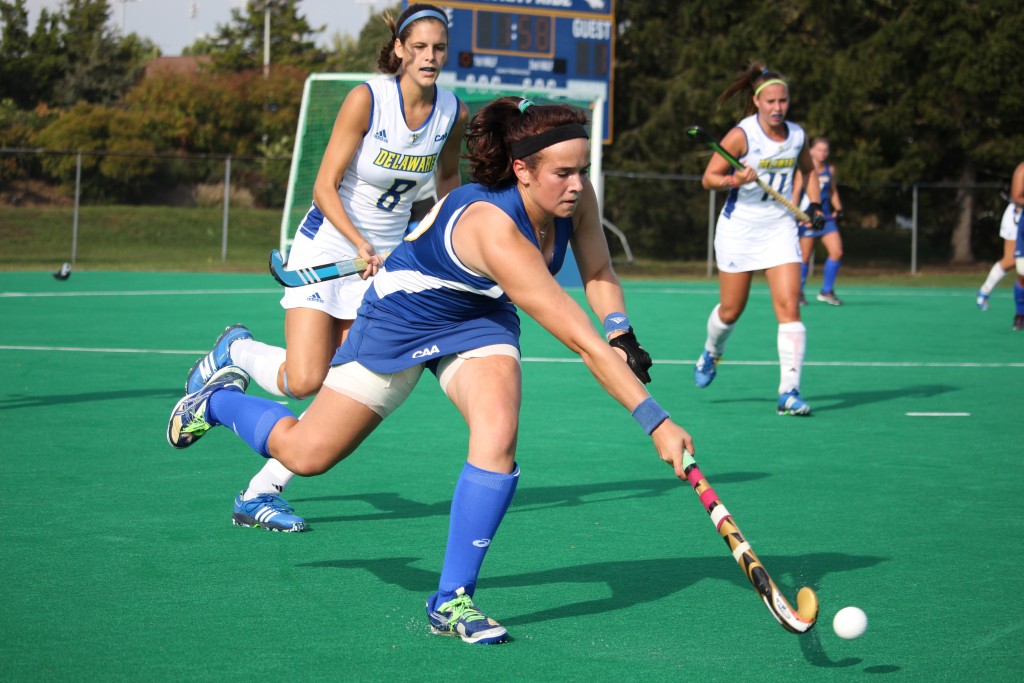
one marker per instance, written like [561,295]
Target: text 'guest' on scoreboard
[543,44]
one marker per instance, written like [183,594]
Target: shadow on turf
[630,582]
[393,506]
[40,401]
[848,399]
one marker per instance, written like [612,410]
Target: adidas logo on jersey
[315,298]
[381,135]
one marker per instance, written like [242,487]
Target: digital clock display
[521,34]
[551,45]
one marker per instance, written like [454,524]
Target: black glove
[840,218]
[639,360]
[817,216]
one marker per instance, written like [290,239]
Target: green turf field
[902,495]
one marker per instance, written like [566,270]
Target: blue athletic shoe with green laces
[460,617]
[216,359]
[790,403]
[188,419]
[267,511]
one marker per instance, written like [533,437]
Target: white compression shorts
[384,392]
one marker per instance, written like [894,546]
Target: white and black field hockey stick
[800,620]
[701,135]
[307,276]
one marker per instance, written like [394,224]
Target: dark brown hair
[388,62]
[495,128]
[747,81]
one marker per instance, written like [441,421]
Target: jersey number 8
[390,199]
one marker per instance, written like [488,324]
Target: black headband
[552,136]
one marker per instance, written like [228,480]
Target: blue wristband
[614,322]
[649,414]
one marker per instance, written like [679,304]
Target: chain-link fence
[123,210]
[887,225]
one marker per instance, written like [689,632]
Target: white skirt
[338,298]
[745,247]
[1008,228]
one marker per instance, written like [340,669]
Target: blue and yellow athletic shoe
[188,419]
[705,370]
[220,357]
[982,300]
[790,403]
[267,511]
[460,617]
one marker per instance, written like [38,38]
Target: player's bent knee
[301,385]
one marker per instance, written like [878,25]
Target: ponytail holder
[524,105]
[765,72]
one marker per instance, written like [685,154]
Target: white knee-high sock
[718,333]
[273,478]
[261,361]
[994,276]
[792,346]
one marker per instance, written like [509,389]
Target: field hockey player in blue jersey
[446,300]
[832,206]
[361,208]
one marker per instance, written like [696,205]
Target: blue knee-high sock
[478,506]
[831,270]
[1018,296]
[804,269]
[251,417]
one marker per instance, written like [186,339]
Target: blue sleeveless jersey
[425,303]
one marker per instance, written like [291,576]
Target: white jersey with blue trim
[775,163]
[426,304]
[387,171]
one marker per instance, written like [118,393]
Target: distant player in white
[755,232]
[1008,231]
[393,139]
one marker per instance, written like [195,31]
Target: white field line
[938,414]
[529,359]
[173,292]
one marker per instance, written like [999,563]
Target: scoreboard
[543,44]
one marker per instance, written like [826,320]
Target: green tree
[125,167]
[361,55]
[238,45]
[99,66]
[30,64]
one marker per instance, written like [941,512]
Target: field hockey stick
[800,620]
[307,276]
[701,135]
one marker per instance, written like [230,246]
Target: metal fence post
[913,235]
[711,233]
[227,203]
[78,194]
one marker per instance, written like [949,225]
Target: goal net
[322,97]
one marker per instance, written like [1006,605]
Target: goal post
[323,94]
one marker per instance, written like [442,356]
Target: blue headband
[423,14]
